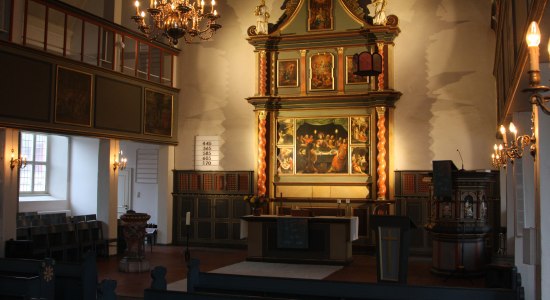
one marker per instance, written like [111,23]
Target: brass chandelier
[175,19]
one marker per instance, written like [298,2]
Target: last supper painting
[322,146]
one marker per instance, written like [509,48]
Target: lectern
[392,247]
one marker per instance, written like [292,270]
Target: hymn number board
[207,153]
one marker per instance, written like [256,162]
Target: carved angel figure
[262,18]
[379,13]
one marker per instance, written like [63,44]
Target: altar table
[323,239]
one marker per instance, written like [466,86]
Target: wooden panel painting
[73,99]
[360,129]
[320,15]
[285,132]
[360,160]
[351,78]
[322,146]
[285,160]
[287,73]
[158,113]
[321,71]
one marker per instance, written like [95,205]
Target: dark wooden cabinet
[412,194]
[215,201]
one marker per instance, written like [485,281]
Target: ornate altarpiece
[322,131]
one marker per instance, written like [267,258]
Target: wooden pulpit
[392,247]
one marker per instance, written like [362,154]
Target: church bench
[213,285]
[27,279]
[77,280]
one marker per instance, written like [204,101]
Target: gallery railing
[64,30]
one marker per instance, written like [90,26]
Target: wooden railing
[64,30]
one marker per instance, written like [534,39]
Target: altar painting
[285,161]
[322,146]
[320,15]
[285,132]
[360,160]
[321,72]
[360,129]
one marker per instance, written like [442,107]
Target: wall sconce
[120,162]
[514,150]
[20,162]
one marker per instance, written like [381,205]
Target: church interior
[264,149]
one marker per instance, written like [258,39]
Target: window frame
[32,163]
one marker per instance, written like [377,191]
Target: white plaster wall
[215,77]
[83,175]
[443,67]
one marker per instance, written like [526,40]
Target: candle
[188,218]
[338,201]
[514,131]
[137,7]
[533,41]
[503,133]
[347,201]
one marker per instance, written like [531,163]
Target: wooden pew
[79,281]
[202,285]
[30,279]
[27,279]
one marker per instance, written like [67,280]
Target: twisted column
[381,157]
[261,152]
[381,75]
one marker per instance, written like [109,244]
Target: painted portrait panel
[73,99]
[285,161]
[287,73]
[321,72]
[322,146]
[360,160]
[285,132]
[320,15]
[158,113]
[360,129]
[351,78]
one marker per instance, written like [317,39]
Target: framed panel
[360,160]
[321,67]
[285,132]
[360,130]
[320,15]
[351,78]
[322,146]
[73,97]
[287,73]
[285,161]
[111,98]
[158,113]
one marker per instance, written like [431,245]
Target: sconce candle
[503,133]
[533,41]
[188,218]
[513,130]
